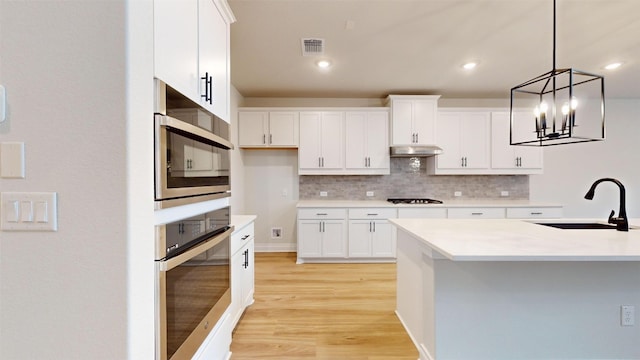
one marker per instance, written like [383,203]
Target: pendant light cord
[554,36]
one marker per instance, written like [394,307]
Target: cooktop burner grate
[414,201]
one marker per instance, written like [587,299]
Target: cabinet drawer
[241,237]
[322,213]
[476,213]
[534,213]
[422,213]
[372,213]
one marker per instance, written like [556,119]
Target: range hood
[415,151]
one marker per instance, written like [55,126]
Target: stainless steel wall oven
[191,151]
[193,281]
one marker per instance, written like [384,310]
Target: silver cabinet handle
[319,162]
[264,139]
[270,139]
[321,214]
[477,213]
[372,214]
[536,213]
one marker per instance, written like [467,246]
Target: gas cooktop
[414,201]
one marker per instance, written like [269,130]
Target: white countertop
[446,204]
[240,221]
[520,240]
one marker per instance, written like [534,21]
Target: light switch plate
[29,211]
[12,160]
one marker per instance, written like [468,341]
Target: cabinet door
[448,138]
[424,117]
[332,140]
[309,238]
[175,45]
[402,127]
[355,140]
[253,128]
[377,140]
[334,241]
[309,155]
[474,140]
[283,128]
[214,57]
[237,274]
[248,274]
[360,238]
[383,242]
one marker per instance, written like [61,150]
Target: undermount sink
[579,226]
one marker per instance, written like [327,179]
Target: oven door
[189,160]
[192,292]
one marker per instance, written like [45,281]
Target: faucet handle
[612,220]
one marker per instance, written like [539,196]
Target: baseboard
[422,350]
[275,247]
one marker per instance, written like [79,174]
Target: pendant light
[562,106]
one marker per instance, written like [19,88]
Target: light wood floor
[321,311]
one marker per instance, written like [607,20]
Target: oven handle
[169,264]
[193,132]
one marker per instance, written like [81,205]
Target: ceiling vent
[311,47]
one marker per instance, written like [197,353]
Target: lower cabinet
[322,233]
[242,271]
[370,234]
[343,235]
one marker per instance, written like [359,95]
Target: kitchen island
[513,289]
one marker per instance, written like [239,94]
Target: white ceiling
[419,46]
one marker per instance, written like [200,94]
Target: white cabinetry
[321,148]
[534,213]
[264,129]
[370,234]
[322,233]
[366,142]
[476,213]
[191,50]
[413,119]
[242,271]
[504,156]
[422,213]
[464,139]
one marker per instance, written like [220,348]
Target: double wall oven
[192,256]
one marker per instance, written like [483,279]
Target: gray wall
[78,77]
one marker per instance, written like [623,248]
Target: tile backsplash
[402,182]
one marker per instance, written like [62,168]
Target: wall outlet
[323,193]
[457,193]
[276,232]
[369,193]
[627,315]
[504,193]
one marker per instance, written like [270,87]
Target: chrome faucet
[622,223]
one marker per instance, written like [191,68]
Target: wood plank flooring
[321,311]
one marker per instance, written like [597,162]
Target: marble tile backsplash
[402,182]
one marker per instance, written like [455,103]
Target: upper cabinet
[509,158]
[366,142]
[321,148]
[191,50]
[413,119]
[268,129]
[464,139]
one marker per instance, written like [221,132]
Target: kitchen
[105,197]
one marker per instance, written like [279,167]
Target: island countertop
[519,240]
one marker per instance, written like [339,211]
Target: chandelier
[562,106]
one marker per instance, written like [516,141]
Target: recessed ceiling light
[469,65]
[613,66]
[323,64]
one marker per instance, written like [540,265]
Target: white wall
[237,160]
[79,91]
[569,170]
